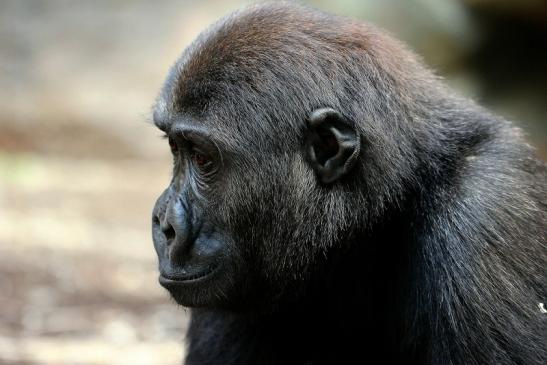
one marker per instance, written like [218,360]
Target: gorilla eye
[201,160]
[173,145]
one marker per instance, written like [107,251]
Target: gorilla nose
[176,227]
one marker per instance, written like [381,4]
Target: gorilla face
[235,223]
[196,256]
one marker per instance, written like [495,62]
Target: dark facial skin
[193,251]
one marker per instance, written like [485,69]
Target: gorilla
[333,202]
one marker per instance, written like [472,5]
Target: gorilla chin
[193,290]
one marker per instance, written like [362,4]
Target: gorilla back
[332,202]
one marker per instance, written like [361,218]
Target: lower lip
[169,282]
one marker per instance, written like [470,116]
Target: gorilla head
[264,128]
[315,158]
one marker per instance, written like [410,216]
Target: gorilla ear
[332,144]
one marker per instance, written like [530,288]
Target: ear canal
[333,144]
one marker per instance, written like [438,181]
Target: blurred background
[81,165]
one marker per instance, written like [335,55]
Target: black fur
[430,251]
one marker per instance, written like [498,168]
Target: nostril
[166,227]
[168,231]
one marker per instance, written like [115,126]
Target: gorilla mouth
[170,280]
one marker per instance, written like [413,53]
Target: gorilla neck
[312,321]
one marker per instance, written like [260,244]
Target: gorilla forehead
[240,66]
[238,77]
